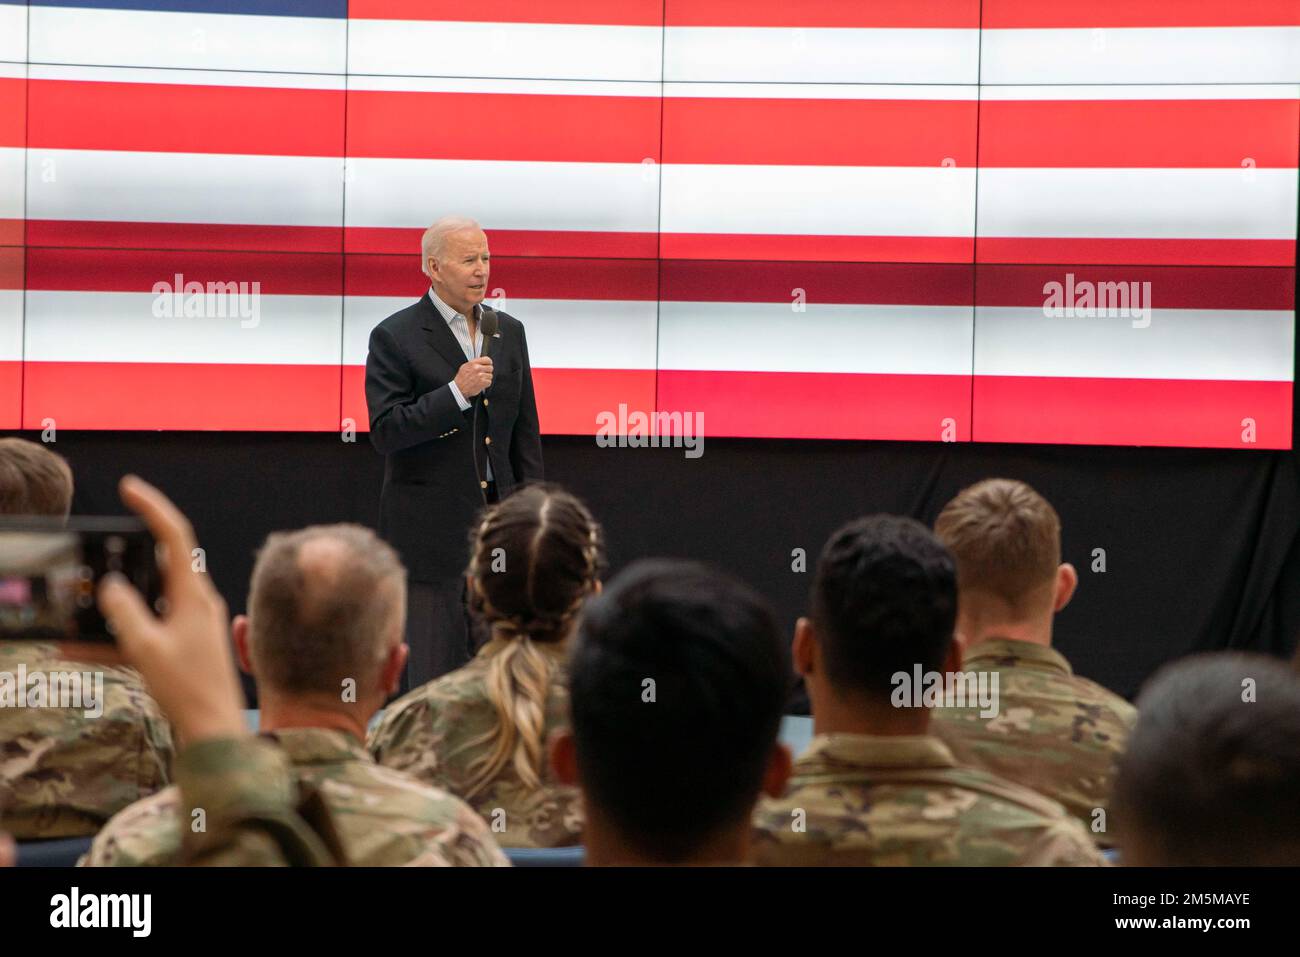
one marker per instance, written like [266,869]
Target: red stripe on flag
[810,405]
[940,284]
[11,395]
[516,277]
[1155,252]
[1176,412]
[812,132]
[13,111]
[525,126]
[153,395]
[753,246]
[708,13]
[132,270]
[11,232]
[178,118]
[1172,287]
[215,236]
[1004,14]
[588,244]
[568,400]
[953,14]
[1177,134]
[647,13]
[11,267]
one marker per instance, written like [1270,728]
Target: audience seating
[59,852]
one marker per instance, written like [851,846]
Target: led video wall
[933,220]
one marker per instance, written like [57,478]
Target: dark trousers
[438,630]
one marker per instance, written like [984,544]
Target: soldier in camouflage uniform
[863,799]
[254,809]
[323,640]
[481,731]
[1054,731]
[383,817]
[876,787]
[63,773]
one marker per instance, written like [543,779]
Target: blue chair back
[59,852]
[546,856]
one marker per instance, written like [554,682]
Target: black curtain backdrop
[1201,547]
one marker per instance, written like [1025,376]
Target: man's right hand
[474,376]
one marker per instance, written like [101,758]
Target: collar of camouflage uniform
[1008,651]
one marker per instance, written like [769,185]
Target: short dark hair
[1211,777]
[671,771]
[33,480]
[884,600]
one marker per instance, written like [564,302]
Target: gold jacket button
[485,401]
[487,440]
[482,484]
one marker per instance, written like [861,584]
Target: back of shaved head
[326,603]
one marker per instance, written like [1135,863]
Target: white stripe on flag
[184,187]
[210,41]
[819,200]
[620,197]
[188,77]
[771,337]
[819,55]
[1146,203]
[13,32]
[529,50]
[1142,55]
[562,333]
[11,325]
[1177,344]
[122,327]
[11,183]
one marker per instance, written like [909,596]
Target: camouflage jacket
[902,800]
[1055,732]
[382,817]
[430,733]
[64,771]
[253,808]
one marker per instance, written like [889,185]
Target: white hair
[434,240]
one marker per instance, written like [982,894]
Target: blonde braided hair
[553,554]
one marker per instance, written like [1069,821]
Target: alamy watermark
[639,430]
[53,689]
[946,689]
[214,300]
[1123,300]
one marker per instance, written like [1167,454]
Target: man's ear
[955,655]
[564,757]
[390,676]
[239,631]
[777,773]
[1067,580]
[804,650]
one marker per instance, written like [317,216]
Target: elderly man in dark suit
[456,419]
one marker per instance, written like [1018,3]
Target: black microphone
[488,323]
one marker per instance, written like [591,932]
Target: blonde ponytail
[555,553]
[518,683]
